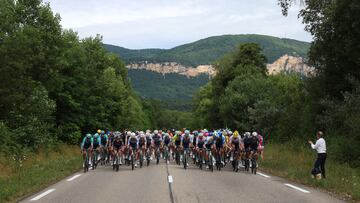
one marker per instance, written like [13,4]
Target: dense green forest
[55,86]
[207,51]
[165,87]
[287,108]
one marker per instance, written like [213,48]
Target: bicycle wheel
[141,159]
[185,160]
[132,161]
[253,166]
[157,154]
[211,164]
[86,163]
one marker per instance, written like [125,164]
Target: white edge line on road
[170,179]
[74,177]
[297,188]
[42,194]
[266,176]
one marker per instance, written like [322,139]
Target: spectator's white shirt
[319,146]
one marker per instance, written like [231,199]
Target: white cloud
[167,23]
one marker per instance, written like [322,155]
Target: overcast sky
[168,23]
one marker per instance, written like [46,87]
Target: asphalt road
[153,184]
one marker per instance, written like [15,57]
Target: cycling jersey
[86,143]
[254,143]
[177,140]
[167,140]
[117,144]
[133,142]
[200,142]
[96,142]
[235,141]
[142,141]
[103,139]
[209,142]
[219,141]
[186,140]
[148,141]
[156,139]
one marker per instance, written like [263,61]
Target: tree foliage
[54,85]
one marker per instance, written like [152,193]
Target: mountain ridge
[208,50]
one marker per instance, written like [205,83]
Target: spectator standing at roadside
[320,147]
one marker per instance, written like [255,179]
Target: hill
[206,51]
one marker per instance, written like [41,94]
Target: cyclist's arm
[82,143]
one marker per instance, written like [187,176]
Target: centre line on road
[266,176]
[72,178]
[170,178]
[42,195]
[297,188]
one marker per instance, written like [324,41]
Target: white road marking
[297,188]
[170,179]
[42,195]
[266,176]
[72,178]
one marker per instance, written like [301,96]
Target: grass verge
[295,163]
[38,171]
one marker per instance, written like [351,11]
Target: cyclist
[142,142]
[104,141]
[254,143]
[186,142]
[235,144]
[209,143]
[133,146]
[176,141]
[219,145]
[156,139]
[96,147]
[167,141]
[148,143]
[261,146]
[200,143]
[117,145]
[87,145]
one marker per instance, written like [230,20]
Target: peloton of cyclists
[225,145]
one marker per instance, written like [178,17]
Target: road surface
[171,183]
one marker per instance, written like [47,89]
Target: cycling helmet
[187,132]
[201,134]
[254,134]
[219,134]
[132,135]
[117,136]
[128,133]
[156,131]
[99,131]
[96,135]
[236,134]
[166,135]
[88,135]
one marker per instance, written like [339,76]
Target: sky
[139,24]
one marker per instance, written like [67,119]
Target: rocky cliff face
[173,67]
[285,64]
[290,64]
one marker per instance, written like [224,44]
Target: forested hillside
[208,50]
[55,86]
[172,86]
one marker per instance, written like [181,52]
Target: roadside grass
[37,171]
[295,163]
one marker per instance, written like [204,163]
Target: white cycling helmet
[254,134]
[201,134]
[156,131]
[128,133]
[133,135]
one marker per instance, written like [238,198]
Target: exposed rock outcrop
[290,64]
[286,63]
